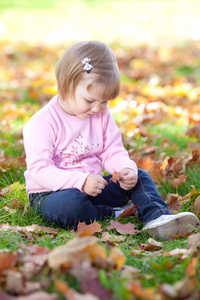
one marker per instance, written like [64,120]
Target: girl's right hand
[94,184]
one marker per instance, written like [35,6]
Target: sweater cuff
[79,183]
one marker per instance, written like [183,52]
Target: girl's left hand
[128,179]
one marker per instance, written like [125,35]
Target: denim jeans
[67,207]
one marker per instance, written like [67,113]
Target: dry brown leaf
[130,211]
[191,267]
[61,286]
[34,296]
[197,203]
[9,210]
[146,164]
[155,243]
[17,204]
[90,228]
[194,131]
[180,236]
[94,288]
[185,288]
[173,203]
[32,287]
[168,291]
[106,237]
[179,181]
[194,241]
[129,270]
[115,177]
[7,260]
[175,252]
[97,251]
[151,246]
[128,228]
[14,282]
[73,295]
[27,229]
[118,257]
[136,289]
[71,252]
[196,206]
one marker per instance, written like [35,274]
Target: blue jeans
[67,207]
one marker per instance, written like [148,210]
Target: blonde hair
[70,70]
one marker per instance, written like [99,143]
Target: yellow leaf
[118,257]
[97,250]
[71,252]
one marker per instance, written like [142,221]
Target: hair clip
[88,67]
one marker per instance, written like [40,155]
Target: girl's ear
[62,82]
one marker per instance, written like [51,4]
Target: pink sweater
[61,150]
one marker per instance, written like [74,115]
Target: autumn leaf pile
[84,258]
[158,114]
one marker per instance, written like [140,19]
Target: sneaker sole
[180,225]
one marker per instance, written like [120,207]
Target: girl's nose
[96,108]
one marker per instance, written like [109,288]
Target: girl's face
[85,103]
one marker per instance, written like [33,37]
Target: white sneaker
[166,225]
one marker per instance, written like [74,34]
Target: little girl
[74,136]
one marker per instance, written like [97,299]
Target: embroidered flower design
[77,151]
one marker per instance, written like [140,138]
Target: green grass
[176,134]
[154,268]
[193,176]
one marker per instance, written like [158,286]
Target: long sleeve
[39,143]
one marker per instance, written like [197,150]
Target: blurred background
[157,46]
[127,22]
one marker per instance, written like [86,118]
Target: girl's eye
[88,101]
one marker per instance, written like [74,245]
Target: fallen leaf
[26,229]
[118,257]
[136,289]
[71,252]
[180,180]
[111,238]
[9,210]
[185,288]
[130,211]
[14,282]
[115,177]
[128,228]
[194,241]
[168,291]
[173,203]
[151,246]
[196,206]
[34,296]
[94,287]
[91,228]
[180,236]
[97,251]
[4,296]
[7,261]
[129,270]
[191,267]
[61,286]
[175,252]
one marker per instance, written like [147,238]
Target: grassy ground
[157,113]
[22,96]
